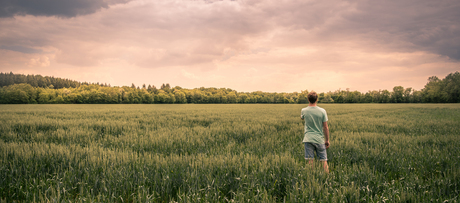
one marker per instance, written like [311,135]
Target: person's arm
[326,134]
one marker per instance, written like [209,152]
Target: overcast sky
[246,45]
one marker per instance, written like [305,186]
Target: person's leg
[325,167]
[321,153]
[312,163]
[309,153]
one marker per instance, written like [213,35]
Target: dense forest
[36,89]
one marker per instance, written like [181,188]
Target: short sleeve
[325,116]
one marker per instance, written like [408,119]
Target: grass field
[221,153]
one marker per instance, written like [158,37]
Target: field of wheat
[225,153]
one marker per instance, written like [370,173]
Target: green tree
[45,96]
[242,98]
[432,90]
[385,96]
[224,99]
[327,99]
[162,97]
[172,98]
[368,97]
[340,99]
[452,87]
[417,96]
[58,100]
[231,97]
[397,95]
[302,99]
[166,88]
[408,95]
[180,97]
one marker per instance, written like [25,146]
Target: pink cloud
[250,45]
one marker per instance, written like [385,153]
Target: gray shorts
[311,148]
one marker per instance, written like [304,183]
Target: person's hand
[327,144]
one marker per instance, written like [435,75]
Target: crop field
[227,153]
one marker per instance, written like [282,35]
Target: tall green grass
[222,153]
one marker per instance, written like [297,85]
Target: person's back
[316,132]
[314,117]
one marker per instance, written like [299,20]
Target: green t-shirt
[314,117]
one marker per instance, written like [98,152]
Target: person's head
[312,97]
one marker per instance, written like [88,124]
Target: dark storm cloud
[21,49]
[432,26]
[61,8]
[403,26]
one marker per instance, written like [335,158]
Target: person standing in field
[316,136]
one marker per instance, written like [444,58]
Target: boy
[315,126]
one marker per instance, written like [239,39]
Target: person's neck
[312,104]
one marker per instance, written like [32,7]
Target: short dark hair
[312,97]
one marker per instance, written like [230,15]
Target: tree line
[7,79]
[36,89]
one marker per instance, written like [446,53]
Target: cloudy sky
[246,45]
